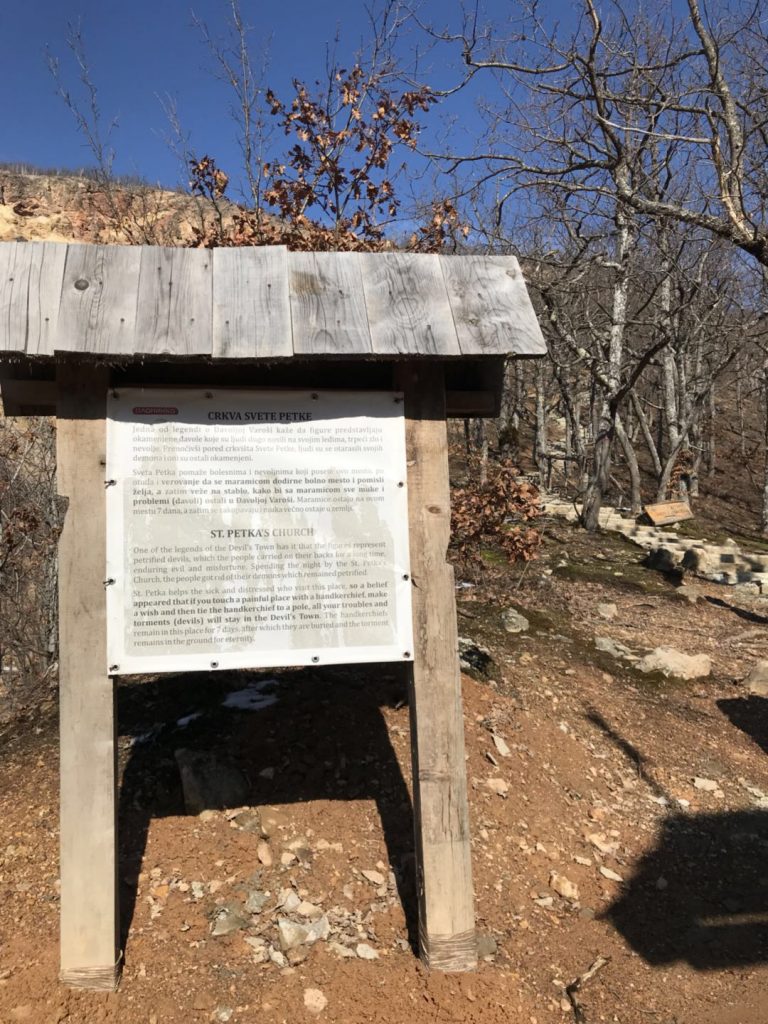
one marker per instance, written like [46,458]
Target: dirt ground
[602,847]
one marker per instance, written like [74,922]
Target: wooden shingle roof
[259,304]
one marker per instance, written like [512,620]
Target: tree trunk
[600,474]
[645,428]
[764,515]
[481,442]
[635,497]
[669,395]
[712,445]
[541,441]
[508,424]
[601,466]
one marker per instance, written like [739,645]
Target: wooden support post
[89,910]
[446,913]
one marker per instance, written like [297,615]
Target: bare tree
[615,133]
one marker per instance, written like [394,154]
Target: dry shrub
[30,523]
[497,512]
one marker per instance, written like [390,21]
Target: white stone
[613,875]
[498,786]
[707,785]
[564,887]
[607,610]
[671,662]
[757,680]
[314,1000]
[501,745]
[374,877]
[366,952]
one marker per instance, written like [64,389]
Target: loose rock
[514,621]
[475,660]
[671,662]
[498,786]
[757,680]
[366,952]
[564,887]
[708,785]
[615,648]
[254,904]
[207,782]
[229,918]
[292,934]
[612,875]
[375,877]
[501,745]
[314,1000]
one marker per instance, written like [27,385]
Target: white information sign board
[250,529]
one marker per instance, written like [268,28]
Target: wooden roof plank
[327,306]
[491,307]
[30,289]
[260,303]
[408,308]
[175,302]
[251,304]
[97,313]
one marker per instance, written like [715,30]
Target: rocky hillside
[65,208]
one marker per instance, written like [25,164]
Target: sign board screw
[113,668]
[315,659]
[214,664]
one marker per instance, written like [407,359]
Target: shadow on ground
[750,714]
[700,896]
[325,738]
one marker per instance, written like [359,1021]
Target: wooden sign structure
[81,323]
[666,512]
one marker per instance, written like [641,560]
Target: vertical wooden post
[446,912]
[89,910]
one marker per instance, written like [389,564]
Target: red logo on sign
[155,410]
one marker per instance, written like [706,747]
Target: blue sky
[144,50]
[141,51]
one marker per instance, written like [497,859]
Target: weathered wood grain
[89,912]
[175,299]
[327,304]
[491,307]
[446,918]
[30,289]
[251,307]
[260,303]
[408,308]
[99,292]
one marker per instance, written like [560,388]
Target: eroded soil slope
[613,816]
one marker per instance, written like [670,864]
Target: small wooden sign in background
[666,512]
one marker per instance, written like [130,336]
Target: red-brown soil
[594,750]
